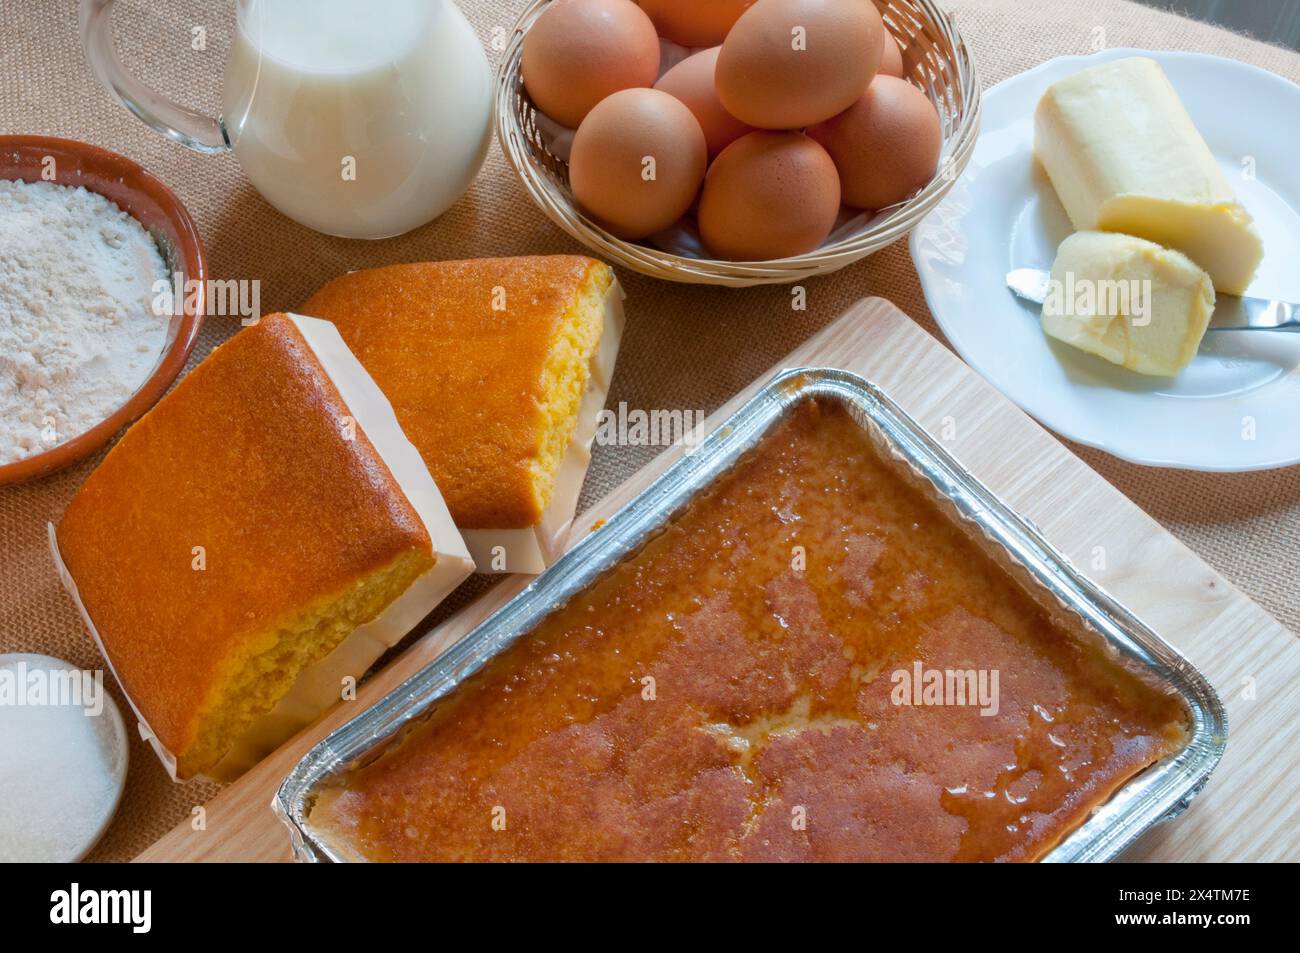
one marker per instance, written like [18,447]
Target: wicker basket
[935,58]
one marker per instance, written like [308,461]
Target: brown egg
[891,63]
[769,195]
[637,162]
[694,22]
[579,51]
[691,81]
[787,64]
[885,146]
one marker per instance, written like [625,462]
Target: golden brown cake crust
[464,378]
[771,733]
[247,459]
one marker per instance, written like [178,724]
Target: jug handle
[202,133]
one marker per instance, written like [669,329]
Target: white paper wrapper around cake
[532,549]
[322,684]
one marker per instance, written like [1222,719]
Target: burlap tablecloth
[686,346]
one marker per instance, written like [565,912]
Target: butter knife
[1231,313]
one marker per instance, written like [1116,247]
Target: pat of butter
[1124,156]
[1129,301]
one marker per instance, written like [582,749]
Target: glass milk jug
[358,118]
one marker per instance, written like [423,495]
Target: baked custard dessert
[497,369]
[261,534]
[731,692]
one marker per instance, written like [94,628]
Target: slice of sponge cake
[497,369]
[265,525]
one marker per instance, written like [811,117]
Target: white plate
[1237,406]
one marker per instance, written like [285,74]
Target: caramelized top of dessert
[733,692]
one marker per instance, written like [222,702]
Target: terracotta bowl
[152,204]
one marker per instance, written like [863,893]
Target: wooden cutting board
[1249,810]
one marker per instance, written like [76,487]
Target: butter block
[1124,156]
[1128,300]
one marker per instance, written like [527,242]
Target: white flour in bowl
[78,334]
